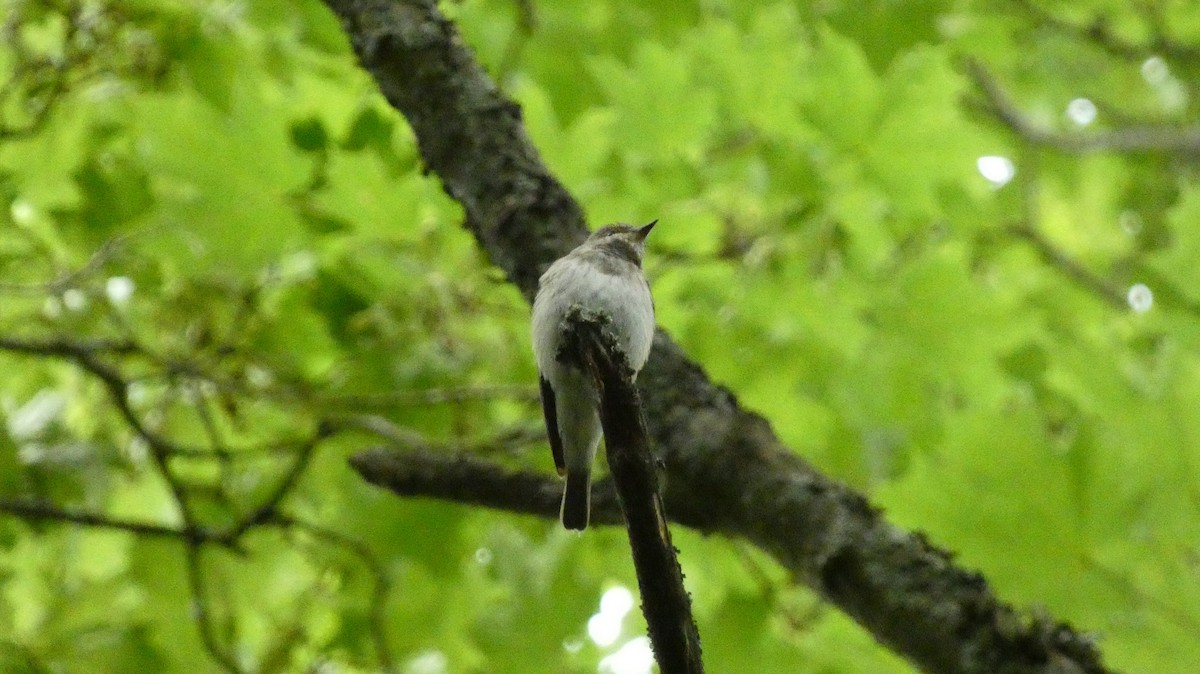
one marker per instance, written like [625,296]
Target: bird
[603,275]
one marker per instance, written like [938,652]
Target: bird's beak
[645,230]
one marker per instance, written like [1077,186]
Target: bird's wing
[550,412]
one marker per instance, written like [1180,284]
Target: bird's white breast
[624,297]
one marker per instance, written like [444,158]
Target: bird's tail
[577,499]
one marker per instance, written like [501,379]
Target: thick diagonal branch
[727,472]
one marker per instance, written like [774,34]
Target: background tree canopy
[948,249]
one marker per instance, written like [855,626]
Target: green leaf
[210,62]
[370,129]
[221,183]
[663,111]
[309,134]
[1176,262]
[845,98]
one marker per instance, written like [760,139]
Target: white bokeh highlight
[35,416]
[1154,70]
[995,169]
[119,290]
[1081,111]
[483,556]
[429,662]
[617,601]
[1131,222]
[604,628]
[74,300]
[1140,298]
[23,213]
[634,657]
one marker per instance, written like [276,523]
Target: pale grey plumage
[604,274]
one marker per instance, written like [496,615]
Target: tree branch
[484,158]
[665,603]
[433,396]
[71,277]
[1166,294]
[379,579]
[202,610]
[60,347]
[1069,267]
[466,478]
[38,511]
[1099,32]
[86,354]
[1174,140]
[727,472]
[270,505]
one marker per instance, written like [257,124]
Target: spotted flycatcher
[603,275]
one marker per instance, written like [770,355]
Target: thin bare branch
[1185,619]
[508,441]
[267,509]
[381,584]
[385,429]
[1099,32]
[1070,268]
[466,478]
[87,355]
[433,396]
[71,277]
[62,347]
[38,511]
[1182,140]
[202,611]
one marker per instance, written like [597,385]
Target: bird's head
[625,241]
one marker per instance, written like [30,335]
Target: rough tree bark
[727,473]
[665,602]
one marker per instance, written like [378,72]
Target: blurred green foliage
[217,187]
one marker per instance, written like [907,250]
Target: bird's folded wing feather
[550,412]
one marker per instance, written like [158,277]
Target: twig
[216,441]
[86,355]
[1070,268]
[1165,293]
[1099,32]
[70,278]
[433,396]
[385,429]
[80,43]
[1123,584]
[381,583]
[665,602]
[506,441]
[202,613]
[161,449]
[1173,140]
[41,511]
[267,509]
[62,347]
